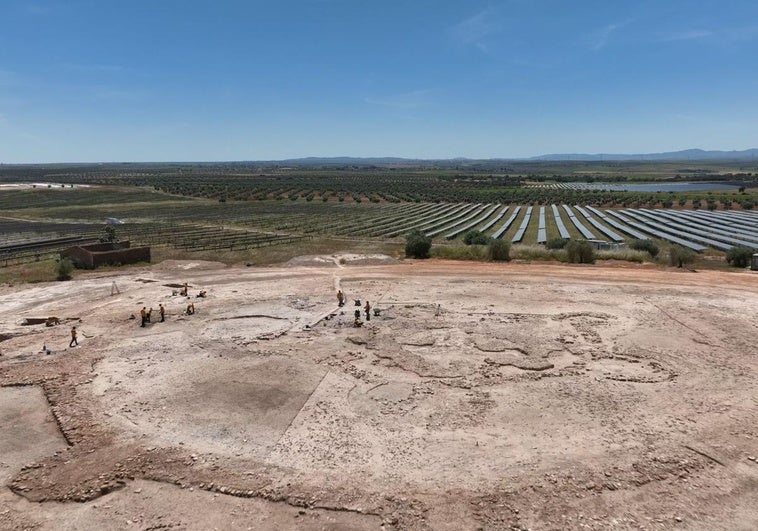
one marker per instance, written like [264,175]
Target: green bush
[109,234]
[645,245]
[739,256]
[474,237]
[556,243]
[417,245]
[535,253]
[499,250]
[64,268]
[680,256]
[478,253]
[580,252]
[628,255]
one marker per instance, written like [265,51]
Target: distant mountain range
[684,155]
[687,154]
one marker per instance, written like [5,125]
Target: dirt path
[492,396]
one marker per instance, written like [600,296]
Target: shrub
[64,269]
[499,250]
[534,253]
[680,256]
[580,252]
[474,237]
[461,252]
[628,255]
[739,256]
[417,245]
[645,245]
[556,243]
[109,234]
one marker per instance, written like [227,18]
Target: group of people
[366,308]
[148,314]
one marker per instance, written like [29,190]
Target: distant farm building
[97,254]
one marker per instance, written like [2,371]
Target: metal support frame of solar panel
[473,224]
[508,222]
[578,224]
[524,224]
[564,233]
[677,224]
[687,236]
[424,223]
[599,226]
[542,227]
[724,219]
[658,234]
[457,220]
[710,226]
[494,220]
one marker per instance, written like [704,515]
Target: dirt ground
[483,396]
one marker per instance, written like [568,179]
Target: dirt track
[483,396]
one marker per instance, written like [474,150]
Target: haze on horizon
[176,80]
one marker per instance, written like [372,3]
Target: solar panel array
[542,227]
[522,228]
[578,224]
[559,223]
[508,222]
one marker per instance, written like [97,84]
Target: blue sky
[157,80]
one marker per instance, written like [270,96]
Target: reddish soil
[483,396]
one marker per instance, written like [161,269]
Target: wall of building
[97,254]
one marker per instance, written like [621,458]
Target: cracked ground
[513,396]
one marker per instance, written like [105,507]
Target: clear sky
[187,80]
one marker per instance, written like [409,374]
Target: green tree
[680,256]
[740,256]
[645,245]
[556,243]
[109,234]
[417,244]
[580,252]
[64,268]
[474,237]
[499,250]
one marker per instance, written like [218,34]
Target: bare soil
[483,396]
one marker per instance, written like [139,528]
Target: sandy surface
[509,396]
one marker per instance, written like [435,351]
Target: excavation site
[492,396]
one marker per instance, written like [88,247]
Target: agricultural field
[497,395]
[239,208]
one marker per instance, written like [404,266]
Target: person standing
[163,312]
[143,314]
[367,309]
[340,298]
[74,342]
